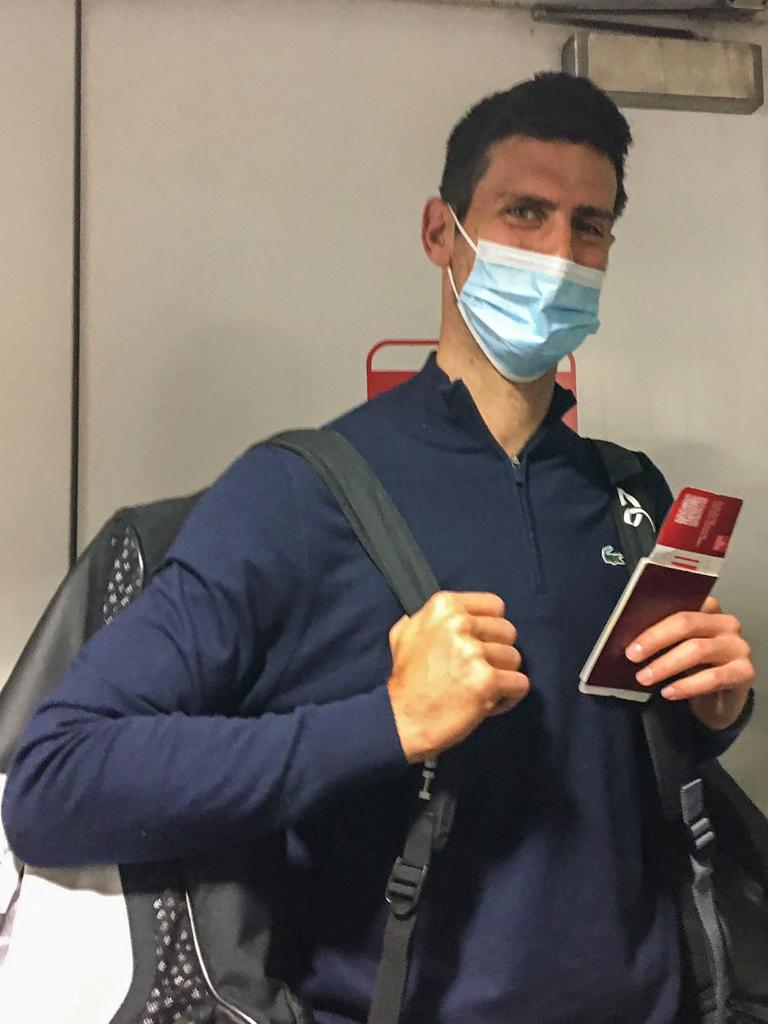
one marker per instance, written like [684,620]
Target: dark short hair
[552,107]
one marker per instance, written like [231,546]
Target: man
[252,687]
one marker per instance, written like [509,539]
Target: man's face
[555,198]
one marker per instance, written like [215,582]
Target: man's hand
[710,646]
[453,664]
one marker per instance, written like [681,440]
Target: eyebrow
[547,204]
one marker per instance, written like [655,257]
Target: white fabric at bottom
[65,947]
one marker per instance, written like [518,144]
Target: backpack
[198,942]
[715,838]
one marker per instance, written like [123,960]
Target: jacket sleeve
[714,742]
[140,754]
[709,742]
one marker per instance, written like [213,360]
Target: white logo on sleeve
[633,510]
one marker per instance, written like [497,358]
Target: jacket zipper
[235,1014]
[533,544]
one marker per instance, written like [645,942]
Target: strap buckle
[702,835]
[404,887]
[701,832]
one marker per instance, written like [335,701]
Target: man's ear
[437,232]
[611,240]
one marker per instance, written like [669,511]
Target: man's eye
[586,227]
[528,213]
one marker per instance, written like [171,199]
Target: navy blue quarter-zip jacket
[245,691]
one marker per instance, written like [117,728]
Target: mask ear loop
[460,226]
[459,304]
[453,287]
[472,246]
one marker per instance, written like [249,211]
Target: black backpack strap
[636,520]
[670,743]
[428,833]
[378,525]
[386,538]
[632,503]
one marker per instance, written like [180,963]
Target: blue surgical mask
[527,310]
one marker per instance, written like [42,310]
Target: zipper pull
[517,468]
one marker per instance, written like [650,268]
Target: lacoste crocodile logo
[611,557]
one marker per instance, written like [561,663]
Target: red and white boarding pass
[677,576]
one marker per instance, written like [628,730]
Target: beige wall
[255,171]
[36,69]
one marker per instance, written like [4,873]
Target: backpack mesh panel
[126,577]
[179,993]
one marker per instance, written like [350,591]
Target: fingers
[477,603]
[706,647]
[454,663]
[510,686]
[454,611]
[733,675]
[494,673]
[492,630]
[517,686]
[478,614]
[679,627]
[690,654]
[502,656]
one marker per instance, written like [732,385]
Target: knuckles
[471,648]
[731,624]
[687,621]
[458,623]
[485,676]
[396,631]
[443,605]
[697,648]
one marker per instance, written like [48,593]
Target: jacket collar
[444,397]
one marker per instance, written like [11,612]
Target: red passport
[677,576]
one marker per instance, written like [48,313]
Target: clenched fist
[454,663]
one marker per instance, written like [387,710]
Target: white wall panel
[36,76]
[255,174]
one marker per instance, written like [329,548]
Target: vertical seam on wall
[74,474]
